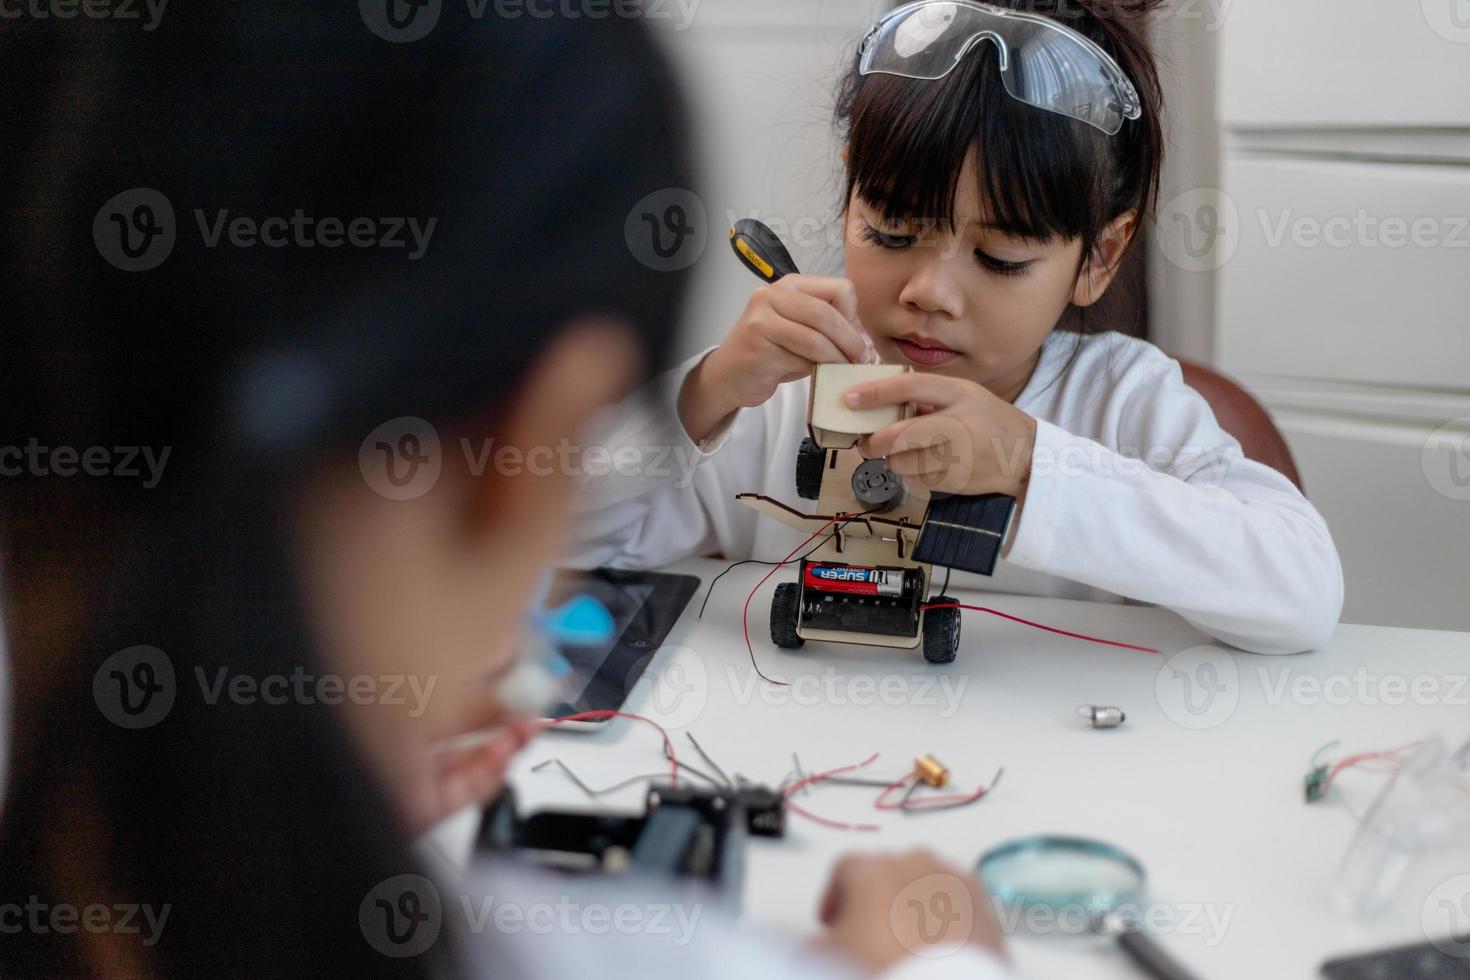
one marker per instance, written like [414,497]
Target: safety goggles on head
[1043,63]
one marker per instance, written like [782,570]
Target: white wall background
[762,79]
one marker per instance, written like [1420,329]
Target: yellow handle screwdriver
[760,249]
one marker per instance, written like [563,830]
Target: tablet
[644,607]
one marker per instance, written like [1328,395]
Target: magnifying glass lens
[1061,871]
[1074,877]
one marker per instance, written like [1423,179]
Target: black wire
[707,760]
[906,807]
[755,561]
[751,561]
[709,591]
[595,793]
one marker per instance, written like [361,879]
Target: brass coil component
[931,771]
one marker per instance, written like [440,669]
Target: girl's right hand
[879,909]
[787,328]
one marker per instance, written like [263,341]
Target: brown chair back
[1244,418]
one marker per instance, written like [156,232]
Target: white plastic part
[528,689]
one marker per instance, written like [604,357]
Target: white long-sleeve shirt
[1136,493]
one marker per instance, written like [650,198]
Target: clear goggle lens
[1042,63]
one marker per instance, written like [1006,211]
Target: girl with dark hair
[228,670]
[1000,159]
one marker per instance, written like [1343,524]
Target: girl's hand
[880,909]
[456,775]
[786,329]
[967,441]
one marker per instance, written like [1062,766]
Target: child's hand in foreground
[879,909]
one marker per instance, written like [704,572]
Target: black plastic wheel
[811,459]
[941,633]
[784,609]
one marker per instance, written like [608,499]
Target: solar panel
[965,532]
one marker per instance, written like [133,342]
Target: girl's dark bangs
[909,140]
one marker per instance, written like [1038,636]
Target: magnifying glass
[1068,874]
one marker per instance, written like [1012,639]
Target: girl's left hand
[455,775]
[966,439]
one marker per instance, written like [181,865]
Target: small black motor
[877,487]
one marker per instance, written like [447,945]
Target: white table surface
[1207,794]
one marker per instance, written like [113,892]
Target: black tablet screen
[644,607]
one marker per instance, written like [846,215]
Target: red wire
[837,824]
[928,801]
[900,781]
[598,715]
[1361,757]
[1389,755]
[745,613]
[951,799]
[1027,622]
[818,777]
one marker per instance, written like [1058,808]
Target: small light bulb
[1101,717]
